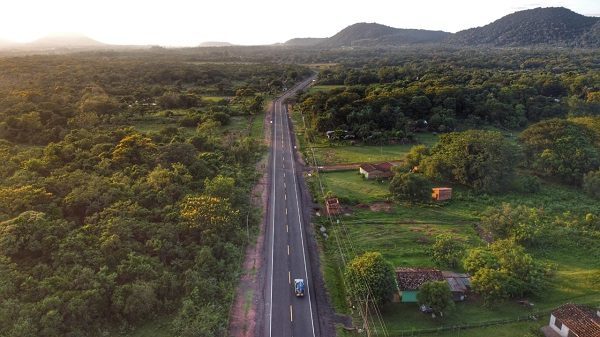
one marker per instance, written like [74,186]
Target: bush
[410,187]
[370,274]
[591,184]
[437,295]
[527,184]
[447,251]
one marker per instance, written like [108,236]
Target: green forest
[124,190]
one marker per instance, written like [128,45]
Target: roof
[583,321]
[442,188]
[383,167]
[332,201]
[458,282]
[387,166]
[368,167]
[413,278]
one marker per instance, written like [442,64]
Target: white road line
[273,218]
[301,233]
[289,277]
[285,196]
[288,249]
[291,314]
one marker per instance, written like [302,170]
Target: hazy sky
[189,22]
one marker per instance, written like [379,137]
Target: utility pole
[367,329]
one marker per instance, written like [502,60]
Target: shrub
[591,184]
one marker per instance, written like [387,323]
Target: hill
[58,41]
[215,44]
[556,26]
[372,34]
[304,41]
[6,44]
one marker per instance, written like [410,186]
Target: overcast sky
[189,22]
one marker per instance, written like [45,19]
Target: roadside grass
[316,88]
[353,188]
[257,128]
[330,154]
[158,327]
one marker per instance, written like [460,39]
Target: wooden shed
[441,193]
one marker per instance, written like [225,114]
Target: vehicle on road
[299,287]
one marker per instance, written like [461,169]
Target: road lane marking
[285,196]
[289,277]
[287,228]
[291,314]
[301,236]
[286,211]
[288,249]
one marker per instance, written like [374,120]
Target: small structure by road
[332,206]
[377,171]
[441,193]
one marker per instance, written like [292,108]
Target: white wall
[563,331]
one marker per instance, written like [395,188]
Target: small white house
[572,320]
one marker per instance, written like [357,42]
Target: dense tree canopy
[484,160]
[114,210]
[561,148]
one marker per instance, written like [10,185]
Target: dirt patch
[483,234]
[381,207]
[243,317]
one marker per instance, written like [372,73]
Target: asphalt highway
[287,315]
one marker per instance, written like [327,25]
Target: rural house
[459,284]
[411,279]
[376,171]
[572,320]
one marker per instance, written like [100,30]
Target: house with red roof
[573,320]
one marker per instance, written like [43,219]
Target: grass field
[404,234]
[354,187]
[342,154]
[316,88]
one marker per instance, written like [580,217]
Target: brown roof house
[411,279]
[573,320]
[377,171]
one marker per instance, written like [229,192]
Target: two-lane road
[285,314]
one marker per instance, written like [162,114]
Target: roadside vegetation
[522,161]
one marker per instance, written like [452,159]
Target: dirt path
[244,314]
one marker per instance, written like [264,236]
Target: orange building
[441,193]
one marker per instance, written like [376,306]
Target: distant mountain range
[554,26]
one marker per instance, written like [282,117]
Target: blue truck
[299,287]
